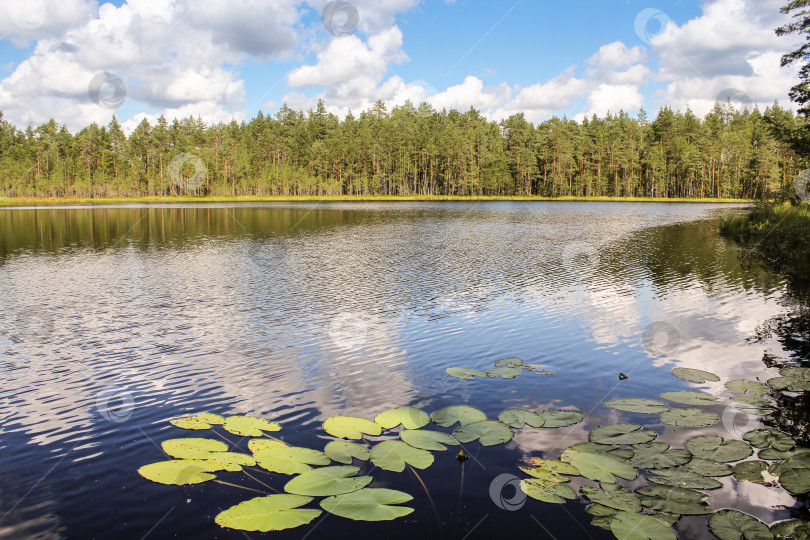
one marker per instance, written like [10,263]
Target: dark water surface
[115,319]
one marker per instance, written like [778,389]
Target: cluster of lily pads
[506,368]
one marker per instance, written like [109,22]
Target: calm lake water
[114,320]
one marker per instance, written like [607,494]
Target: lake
[116,319]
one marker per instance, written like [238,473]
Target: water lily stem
[435,511]
[241,487]
[259,481]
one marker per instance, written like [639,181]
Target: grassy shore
[49,201]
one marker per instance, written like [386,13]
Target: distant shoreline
[52,201]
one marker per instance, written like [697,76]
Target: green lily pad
[713,447]
[344,452]
[688,417]
[755,401]
[798,461]
[427,439]
[794,529]
[369,504]
[763,438]
[742,386]
[793,379]
[674,493]
[178,472]
[561,418]
[254,445]
[736,525]
[694,375]
[290,459]
[192,448]
[326,481]
[621,434]
[765,411]
[637,405]
[676,507]
[600,510]
[551,466]
[553,493]
[750,471]
[613,451]
[350,427]
[517,418]
[190,423]
[657,456]
[211,418]
[465,373]
[602,468]
[680,477]
[409,417]
[707,467]
[545,476]
[689,398]
[796,481]
[463,414]
[537,370]
[632,526]
[230,461]
[603,522]
[249,426]
[772,454]
[509,362]
[393,455]
[504,372]
[487,432]
[271,513]
[613,496]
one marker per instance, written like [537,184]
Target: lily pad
[763,438]
[613,496]
[796,481]
[736,525]
[713,447]
[689,398]
[344,452]
[602,468]
[600,510]
[798,461]
[369,504]
[271,513]
[637,405]
[409,417]
[561,418]
[192,448]
[621,454]
[350,427]
[463,414]
[793,379]
[750,471]
[657,456]
[553,493]
[707,467]
[509,362]
[765,411]
[674,493]
[254,445]
[676,507]
[688,417]
[178,472]
[249,426]
[754,401]
[603,522]
[621,434]
[544,466]
[680,477]
[517,418]
[465,373]
[326,481]
[743,386]
[694,375]
[190,423]
[504,372]
[427,439]
[632,526]
[772,454]
[393,455]
[211,418]
[231,461]
[487,432]
[794,529]
[290,459]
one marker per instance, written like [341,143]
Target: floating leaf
[427,439]
[600,510]
[603,522]
[369,504]
[211,418]
[509,362]
[290,459]
[344,451]
[798,461]
[613,496]
[657,456]
[550,493]
[561,418]
[708,467]
[793,379]
[713,447]
[409,417]
[249,426]
[487,432]
[742,386]
[517,418]
[271,513]
[689,398]
[463,414]
[796,481]
[595,448]
[694,375]
[688,417]
[795,529]
[178,472]
[736,525]
[551,466]
[676,507]
[680,477]
[750,471]
[393,455]
[465,373]
[504,372]
[192,448]
[602,468]
[621,434]
[350,427]
[327,481]
[254,445]
[538,370]
[230,461]
[637,405]
[674,493]
[758,412]
[631,526]
[771,454]
[190,423]
[763,438]
[755,401]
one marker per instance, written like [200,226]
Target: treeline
[411,151]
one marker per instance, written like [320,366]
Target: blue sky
[227,60]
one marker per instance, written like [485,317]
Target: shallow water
[116,319]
